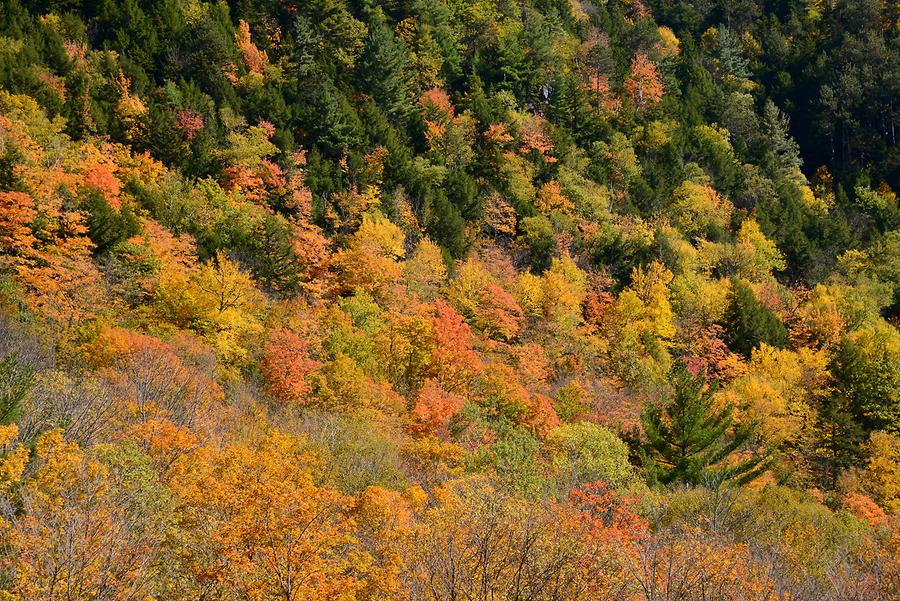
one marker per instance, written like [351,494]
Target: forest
[449,300]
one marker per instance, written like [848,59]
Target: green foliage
[16,381]
[867,368]
[748,323]
[107,226]
[584,452]
[538,237]
[691,440]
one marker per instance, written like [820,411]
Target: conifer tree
[748,322]
[690,440]
[15,382]
[382,69]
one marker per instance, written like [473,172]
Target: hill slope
[441,299]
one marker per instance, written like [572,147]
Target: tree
[585,452]
[285,365]
[433,408]
[644,83]
[445,223]
[453,360]
[382,69]
[257,526]
[783,156]
[867,368]
[699,211]
[85,525]
[882,473]
[107,226]
[748,322]
[691,440]
[369,263]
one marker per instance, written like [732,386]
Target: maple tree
[257,525]
[644,83]
[285,366]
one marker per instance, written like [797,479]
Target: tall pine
[748,322]
[690,440]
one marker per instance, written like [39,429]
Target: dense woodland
[445,300]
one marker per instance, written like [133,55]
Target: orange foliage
[163,441]
[101,176]
[436,100]
[865,508]
[454,361]
[260,528]
[498,313]
[644,83]
[542,416]
[285,365]
[433,409]
[535,138]
[496,133]
[255,60]
[16,215]
[550,198]
[152,379]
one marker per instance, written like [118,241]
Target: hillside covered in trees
[444,300]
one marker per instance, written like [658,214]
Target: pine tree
[444,223]
[783,156]
[748,322]
[106,226]
[382,70]
[839,441]
[690,440]
[15,382]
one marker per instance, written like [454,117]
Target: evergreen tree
[839,440]
[444,223]
[690,440]
[748,322]
[463,193]
[382,71]
[272,257]
[783,155]
[106,226]
[15,382]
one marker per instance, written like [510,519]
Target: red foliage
[644,83]
[707,354]
[267,127]
[455,361]
[189,123]
[866,509]
[433,409]
[535,139]
[437,104]
[285,366]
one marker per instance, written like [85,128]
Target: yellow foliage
[639,327]
[425,272]
[369,263]
[12,465]
[780,389]
[882,473]
[698,209]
